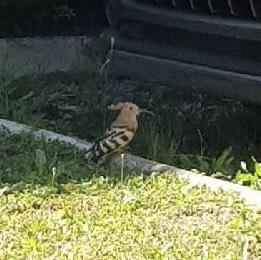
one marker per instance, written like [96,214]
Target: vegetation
[15,90]
[49,17]
[56,107]
[250,177]
[53,205]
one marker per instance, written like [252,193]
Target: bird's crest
[118,106]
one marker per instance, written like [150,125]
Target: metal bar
[193,4]
[174,3]
[238,29]
[204,78]
[161,2]
[211,7]
[241,8]
[186,54]
[219,6]
[257,7]
[201,5]
[253,9]
[184,4]
[231,7]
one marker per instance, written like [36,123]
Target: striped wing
[114,139]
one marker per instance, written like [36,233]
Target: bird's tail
[89,155]
[95,154]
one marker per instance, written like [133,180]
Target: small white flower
[54,170]
[243,166]
[166,246]
[127,196]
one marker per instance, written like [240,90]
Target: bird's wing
[110,132]
[114,139]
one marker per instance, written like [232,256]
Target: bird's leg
[114,160]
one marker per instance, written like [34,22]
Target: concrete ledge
[48,54]
[251,197]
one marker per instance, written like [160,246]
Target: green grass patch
[23,159]
[78,212]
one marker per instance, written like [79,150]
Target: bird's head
[128,108]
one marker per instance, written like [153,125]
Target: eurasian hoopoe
[118,136]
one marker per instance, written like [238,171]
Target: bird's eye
[131,108]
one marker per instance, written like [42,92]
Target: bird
[120,133]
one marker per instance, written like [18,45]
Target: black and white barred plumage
[117,137]
[114,140]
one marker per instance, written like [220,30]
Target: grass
[82,213]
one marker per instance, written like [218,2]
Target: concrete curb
[251,197]
[47,54]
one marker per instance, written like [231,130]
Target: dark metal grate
[234,8]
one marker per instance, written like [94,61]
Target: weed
[219,166]
[122,167]
[7,88]
[158,144]
[154,143]
[23,159]
[250,177]
[16,93]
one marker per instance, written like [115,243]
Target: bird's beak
[141,110]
